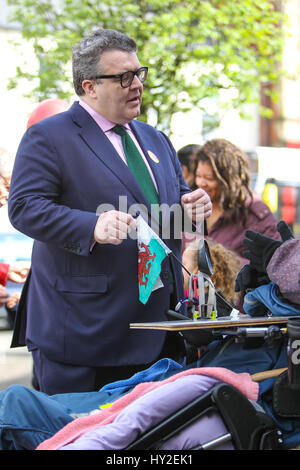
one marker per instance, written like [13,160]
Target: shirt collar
[105,124]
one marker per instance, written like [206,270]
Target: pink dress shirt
[106,126]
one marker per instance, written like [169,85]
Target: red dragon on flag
[151,253]
[144,263]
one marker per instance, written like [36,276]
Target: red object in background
[289,200]
[288,214]
[289,196]
[293,145]
[47,108]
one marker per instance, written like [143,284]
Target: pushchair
[248,426]
[271,423]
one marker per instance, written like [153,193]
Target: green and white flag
[151,253]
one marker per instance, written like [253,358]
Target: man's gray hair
[86,54]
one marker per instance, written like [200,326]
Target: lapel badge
[153,157]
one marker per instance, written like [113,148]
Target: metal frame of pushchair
[248,426]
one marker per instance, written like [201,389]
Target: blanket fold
[80,426]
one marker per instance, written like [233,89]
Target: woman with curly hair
[223,172]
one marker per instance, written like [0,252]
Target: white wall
[187,129]
[15,109]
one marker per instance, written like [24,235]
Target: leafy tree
[198,52]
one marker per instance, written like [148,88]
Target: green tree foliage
[199,52]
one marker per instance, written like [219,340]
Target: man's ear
[89,87]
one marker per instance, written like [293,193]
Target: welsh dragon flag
[151,252]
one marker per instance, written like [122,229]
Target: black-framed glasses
[126,78]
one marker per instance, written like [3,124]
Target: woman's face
[205,179]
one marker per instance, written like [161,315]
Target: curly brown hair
[232,171]
[226,265]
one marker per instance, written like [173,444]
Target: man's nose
[136,82]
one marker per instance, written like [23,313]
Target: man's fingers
[197,205]
[122,224]
[194,196]
[118,229]
[113,227]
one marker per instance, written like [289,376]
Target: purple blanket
[149,410]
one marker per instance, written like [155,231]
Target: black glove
[249,278]
[261,248]
[284,231]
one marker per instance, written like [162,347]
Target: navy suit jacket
[77,303]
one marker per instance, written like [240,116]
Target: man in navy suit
[82,292]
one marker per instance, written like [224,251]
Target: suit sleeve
[35,206]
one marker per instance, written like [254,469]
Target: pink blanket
[78,427]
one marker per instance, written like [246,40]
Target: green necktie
[137,166]
[141,174]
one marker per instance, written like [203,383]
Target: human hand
[261,248]
[197,205]
[4,295]
[18,271]
[13,300]
[113,227]
[284,231]
[249,278]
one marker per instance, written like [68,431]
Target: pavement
[15,364]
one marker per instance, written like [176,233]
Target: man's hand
[4,295]
[113,227]
[18,271]
[197,205]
